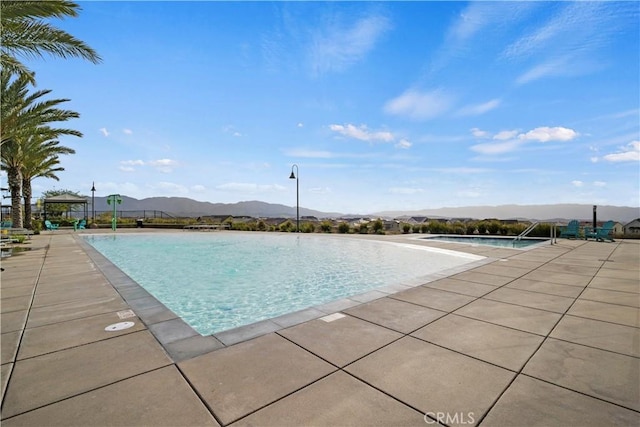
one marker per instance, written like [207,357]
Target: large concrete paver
[394,314]
[532,402]
[613,313]
[622,285]
[55,376]
[72,333]
[158,398]
[13,321]
[483,278]
[243,378]
[513,316]
[602,374]
[433,298]
[433,379]
[495,344]
[538,300]
[340,340]
[613,297]
[545,287]
[337,400]
[77,309]
[603,335]
[559,278]
[461,287]
[9,346]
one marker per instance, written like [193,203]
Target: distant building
[632,228]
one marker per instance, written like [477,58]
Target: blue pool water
[504,242]
[218,281]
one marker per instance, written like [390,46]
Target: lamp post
[93,204]
[595,208]
[296,176]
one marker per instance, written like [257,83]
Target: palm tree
[40,161]
[25,123]
[24,32]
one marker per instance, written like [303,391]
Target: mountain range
[185,207]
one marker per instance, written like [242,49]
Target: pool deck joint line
[548,335]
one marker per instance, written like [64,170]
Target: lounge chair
[50,226]
[79,225]
[601,234]
[571,230]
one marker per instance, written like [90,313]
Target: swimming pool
[503,242]
[218,281]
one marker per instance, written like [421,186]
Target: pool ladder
[525,232]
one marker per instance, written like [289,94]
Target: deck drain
[332,317]
[119,326]
[125,314]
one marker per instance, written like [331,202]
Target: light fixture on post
[296,176]
[93,204]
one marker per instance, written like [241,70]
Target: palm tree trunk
[26,196]
[14,180]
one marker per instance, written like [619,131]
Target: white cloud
[496,147]
[132,163]
[335,49]
[127,131]
[163,165]
[599,184]
[629,153]
[420,105]
[405,190]
[545,134]
[549,68]
[242,187]
[404,144]
[104,131]
[577,183]
[505,134]
[198,188]
[362,133]
[479,133]
[300,125]
[479,109]
[511,140]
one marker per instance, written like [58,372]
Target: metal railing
[528,230]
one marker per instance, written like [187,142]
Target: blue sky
[382,105]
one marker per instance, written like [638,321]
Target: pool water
[503,242]
[218,281]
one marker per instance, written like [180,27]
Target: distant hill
[182,206]
[622,214]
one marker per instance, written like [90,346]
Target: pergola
[66,199]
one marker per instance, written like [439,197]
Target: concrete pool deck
[547,336]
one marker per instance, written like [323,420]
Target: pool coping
[182,342]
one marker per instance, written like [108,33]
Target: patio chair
[601,234]
[50,226]
[571,230]
[79,225]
